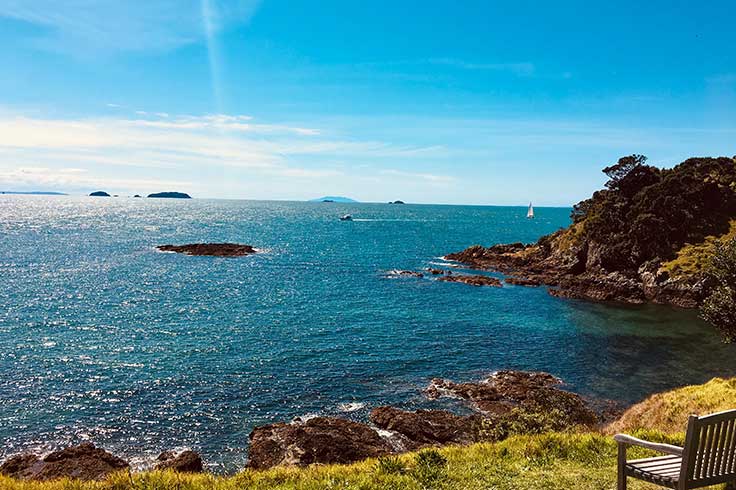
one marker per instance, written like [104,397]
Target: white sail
[530,213]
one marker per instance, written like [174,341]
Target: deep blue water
[104,338]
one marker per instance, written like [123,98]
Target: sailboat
[530,212]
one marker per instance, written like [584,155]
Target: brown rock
[522,281]
[210,249]
[427,427]
[83,462]
[184,462]
[472,280]
[318,440]
[502,392]
[438,272]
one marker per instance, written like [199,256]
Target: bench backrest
[709,455]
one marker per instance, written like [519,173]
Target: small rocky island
[99,194]
[210,249]
[170,195]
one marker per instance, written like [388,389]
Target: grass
[693,259]
[556,460]
[669,411]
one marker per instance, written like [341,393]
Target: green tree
[719,308]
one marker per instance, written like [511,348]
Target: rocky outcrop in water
[403,273]
[505,402]
[184,462]
[504,391]
[99,194]
[210,249]
[472,280]
[318,440]
[427,427]
[83,462]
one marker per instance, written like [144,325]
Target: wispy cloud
[434,178]
[87,26]
[520,69]
[99,149]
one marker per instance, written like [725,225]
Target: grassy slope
[581,461]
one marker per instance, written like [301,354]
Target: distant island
[35,193]
[333,199]
[396,202]
[170,195]
[99,194]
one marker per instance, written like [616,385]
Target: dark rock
[137,195]
[472,280]
[210,249]
[171,195]
[502,392]
[318,440]
[428,427]
[396,202]
[83,462]
[184,462]
[438,272]
[99,194]
[522,281]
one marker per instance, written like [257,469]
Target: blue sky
[484,102]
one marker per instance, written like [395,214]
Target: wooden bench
[708,458]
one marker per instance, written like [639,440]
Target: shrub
[719,307]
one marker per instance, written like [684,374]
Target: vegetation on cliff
[652,235]
[719,307]
[649,214]
[554,460]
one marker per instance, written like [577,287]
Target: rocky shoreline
[573,273]
[506,402]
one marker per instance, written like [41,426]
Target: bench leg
[621,466]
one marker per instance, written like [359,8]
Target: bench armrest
[655,446]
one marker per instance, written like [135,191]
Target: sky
[473,102]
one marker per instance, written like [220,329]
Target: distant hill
[35,193]
[333,199]
[99,194]
[171,195]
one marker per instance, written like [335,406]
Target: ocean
[104,338]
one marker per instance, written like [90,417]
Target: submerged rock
[318,440]
[472,280]
[183,462]
[211,249]
[403,273]
[83,462]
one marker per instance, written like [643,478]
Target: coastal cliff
[647,237]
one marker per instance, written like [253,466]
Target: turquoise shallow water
[104,338]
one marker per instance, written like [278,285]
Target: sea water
[104,338]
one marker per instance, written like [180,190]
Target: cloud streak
[93,26]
